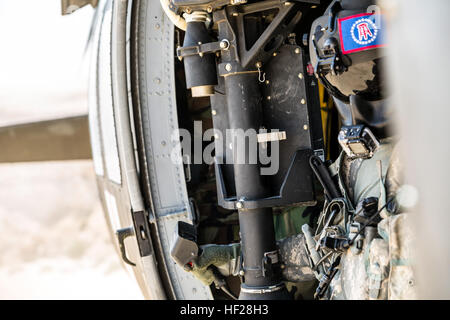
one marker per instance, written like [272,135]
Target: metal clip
[261,75]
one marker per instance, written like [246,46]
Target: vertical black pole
[256,225]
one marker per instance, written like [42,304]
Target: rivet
[275,54]
[269,97]
[214,112]
[267,82]
[297,50]
[305,127]
[300,75]
[303,101]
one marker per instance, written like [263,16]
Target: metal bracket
[201,49]
[141,226]
[270,258]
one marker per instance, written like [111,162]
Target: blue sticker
[361,32]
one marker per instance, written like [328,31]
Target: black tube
[199,70]
[256,225]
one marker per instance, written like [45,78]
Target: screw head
[228,67]
[297,50]
[214,112]
[303,101]
[224,44]
[305,127]
[239,205]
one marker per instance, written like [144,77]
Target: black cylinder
[256,225]
[200,69]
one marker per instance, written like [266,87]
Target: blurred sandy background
[53,238]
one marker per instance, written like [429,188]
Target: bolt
[269,97]
[300,75]
[275,54]
[297,50]
[224,44]
[303,101]
[214,112]
[239,205]
[267,82]
[258,64]
[305,127]
[228,67]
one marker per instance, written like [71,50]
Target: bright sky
[41,58]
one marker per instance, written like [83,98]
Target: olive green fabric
[289,222]
[223,257]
